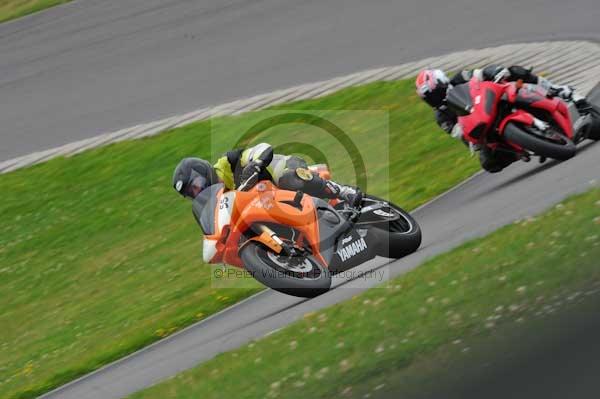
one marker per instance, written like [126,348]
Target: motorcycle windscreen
[204,208]
[458,99]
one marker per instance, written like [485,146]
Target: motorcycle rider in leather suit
[248,166]
[432,85]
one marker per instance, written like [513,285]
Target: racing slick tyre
[297,276]
[557,147]
[594,133]
[400,236]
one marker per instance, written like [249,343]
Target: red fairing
[559,111]
[557,108]
[517,116]
[485,98]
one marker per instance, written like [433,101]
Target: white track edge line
[582,48]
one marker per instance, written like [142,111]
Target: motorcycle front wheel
[557,147]
[301,276]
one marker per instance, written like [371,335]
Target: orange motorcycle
[293,242]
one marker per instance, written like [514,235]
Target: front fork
[274,242]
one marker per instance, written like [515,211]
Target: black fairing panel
[204,207]
[478,130]
[459,99]
[490,101]
[331,226]
[353,249]
[342,246]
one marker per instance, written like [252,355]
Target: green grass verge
[11,9]
[351,348]
[99,257]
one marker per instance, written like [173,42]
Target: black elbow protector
[266,156]
[525,74]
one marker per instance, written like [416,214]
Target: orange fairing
[265,203]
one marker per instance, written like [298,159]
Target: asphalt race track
[100,65]
[480,205]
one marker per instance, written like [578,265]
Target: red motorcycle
[513,117]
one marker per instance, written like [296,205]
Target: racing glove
[457,132]
[352,195]
[445,119]
[251,172]
[525,74]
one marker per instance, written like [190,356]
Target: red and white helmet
[432,85]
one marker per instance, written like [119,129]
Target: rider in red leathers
[432,85]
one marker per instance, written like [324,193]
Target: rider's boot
[316,186]
[581,103]
[351,195]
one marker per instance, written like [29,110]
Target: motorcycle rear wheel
[527,138]
[595,128]
[297,276]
